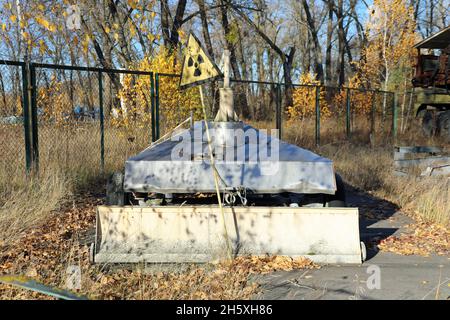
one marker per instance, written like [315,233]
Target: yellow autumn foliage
[360,100]
[304,100]
[58,99]
[332,103]
[391,35]
[175,105]
[54,102]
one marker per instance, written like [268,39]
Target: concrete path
[381,276]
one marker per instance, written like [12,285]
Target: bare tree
[318,67]
[341,43]
[286,58]
[328,66]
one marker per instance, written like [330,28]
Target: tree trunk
[165,25]
[318,68]
[5,104]
[328,72]
[205,29]
[430,18]
[241,103]
[177,22]
[209,48]
[287,70]
[261,94]
[341,44]
[229,44]
[287,59]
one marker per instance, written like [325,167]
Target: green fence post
[102,121]
[317,116]
[157,105]
[26,95]
[348,114]
[34,119]
[278,110]
[394,117]
[152,104]
[372,120]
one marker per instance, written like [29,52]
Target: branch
[260,32]
[194,14]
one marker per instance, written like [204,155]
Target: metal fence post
[372,119]
[317,116]
[102,122]
[26,95]
[157,105]
[34,119]
[394,116]
[278,109]
[347,114]
[152,104]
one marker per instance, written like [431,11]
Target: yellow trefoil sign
[198,67]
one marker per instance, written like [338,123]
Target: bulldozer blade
[172,234]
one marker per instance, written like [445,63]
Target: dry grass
[31,205]
[370,168]
[69,159]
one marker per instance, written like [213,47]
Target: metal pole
[278,110]
[26,95]
[215,174]
[157,105]
[372,120]
[102,122]
[347,114]
[34,119]
[317,116]
[394,117]
[152,103]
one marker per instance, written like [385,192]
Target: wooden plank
[437,171]
[430,161]
[418,149]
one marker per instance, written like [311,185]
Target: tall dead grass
[69,160]
[29,205]
[371,169]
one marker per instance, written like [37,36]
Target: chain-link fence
[258,103]
[320,115]
[90,120]
[307,115]
[12,138]
[82,120]
[173,105]
[67,104]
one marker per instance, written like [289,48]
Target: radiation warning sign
[198,67]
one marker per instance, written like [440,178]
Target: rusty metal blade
[33,285]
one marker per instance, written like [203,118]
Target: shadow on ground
[374,218]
